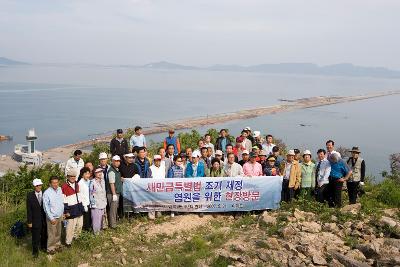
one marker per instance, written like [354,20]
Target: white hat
[103,155]
[307,152]
[157,157]
[37,182]
[116,157]
[129,155]
[218,152]
[256,133]
[195,154]
[247,128]
[245,152]
[98,170]
[72,172]
[291,153]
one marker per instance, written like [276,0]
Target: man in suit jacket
[36,217]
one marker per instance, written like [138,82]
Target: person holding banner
[157,169]
[216,169]
[231,168]
[142,163]
[291,177]
[252,167]
[196,168]
[176,170]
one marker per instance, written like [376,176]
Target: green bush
[16,184]
[389,193]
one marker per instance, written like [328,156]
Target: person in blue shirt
[340,173]
[195,168]
[138,139]
[53,205]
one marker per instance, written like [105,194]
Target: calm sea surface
[68,104]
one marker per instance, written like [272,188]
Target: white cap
[116,157]
[157,157]
[37,182]
[195,154]
[248,128]
[218,152]
[72,172]
[129,155]
[307,152]
[245,152]
[103,155]
[291,153]
[256,133]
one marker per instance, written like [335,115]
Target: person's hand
[86,208]
[115,198]
[362,183]
[66,215]
[29,225]
[53,222]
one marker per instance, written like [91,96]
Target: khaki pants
[73,229]
[112,211]
[54,234]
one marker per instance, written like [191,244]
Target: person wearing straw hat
[357,165]
[36,217]
[291,177]
[270,169]
[307,174]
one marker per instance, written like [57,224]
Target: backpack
[18,230]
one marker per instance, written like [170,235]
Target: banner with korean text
[205,194]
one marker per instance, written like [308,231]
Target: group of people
[91,198]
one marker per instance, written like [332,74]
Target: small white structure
[28,153]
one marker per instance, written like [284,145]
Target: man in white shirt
[268,145]
[231,168]
[207,143]
[138,139]
[157,169]
[322,172]
[75,163]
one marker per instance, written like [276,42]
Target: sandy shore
[62,153]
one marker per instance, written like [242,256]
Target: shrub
[389,193]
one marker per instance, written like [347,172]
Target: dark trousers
[39,238]
[335,193]
[352,190]
[322,193]
[87,221]
[287,193]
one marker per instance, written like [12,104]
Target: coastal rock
[273,243]
[352,208]
[356,254]
[268,219]
[392,242]
[370,250]
[347,261]
[311,227]
[318,260]
[387,221]
[116,240]
[97,256]
[303,216]
[83,265]
[288,231]
[330,227]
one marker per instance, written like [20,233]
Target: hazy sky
[202,32]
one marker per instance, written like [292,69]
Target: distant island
[343,69]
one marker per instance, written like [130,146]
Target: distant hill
[9,62]
[344,69]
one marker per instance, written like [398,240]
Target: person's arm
[241,173]
[28,211]
[66,207]
[165,144]
[126,148]
[298,177]
[131,141]
[313,177]
[111,180]
[178,145]
[362,171]
[144,141]
[170,173]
